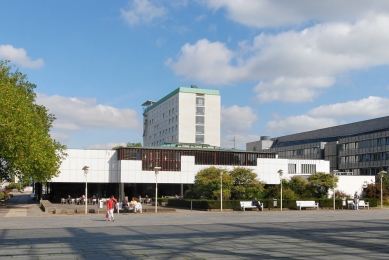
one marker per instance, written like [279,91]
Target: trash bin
[100,204]
[274,203]
[344,201]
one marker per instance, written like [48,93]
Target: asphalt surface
[28,233]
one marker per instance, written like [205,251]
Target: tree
[298,185]
[25,142]
[245,184]
[320,183]
[207,184]
[128,145]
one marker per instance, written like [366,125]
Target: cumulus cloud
[303,62]
[237,119]
[330,115]
[59,137]
[292,89]
[365,108]
[280,13]
[77,113]
[19,56]
[142,11]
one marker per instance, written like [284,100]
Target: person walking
[111,205]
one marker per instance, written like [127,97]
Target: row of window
[170,160]
[369,157]
[306,151]
[365,144]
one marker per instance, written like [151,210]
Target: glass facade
[170,159]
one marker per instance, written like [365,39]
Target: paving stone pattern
[306,234]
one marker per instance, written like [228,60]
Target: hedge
[267,203]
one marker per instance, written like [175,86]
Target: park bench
[361,203]
[46,206]
[248,205]
[307,204]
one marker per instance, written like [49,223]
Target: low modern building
[186,115]
[360,148]
[130,171]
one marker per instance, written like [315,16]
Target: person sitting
[140,199]
[126,205]
[133,204]
[147,200]
[69,200]
[82,199]
[255,202]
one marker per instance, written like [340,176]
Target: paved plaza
[27,233]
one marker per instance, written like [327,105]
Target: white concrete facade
[104,167]
[186,115]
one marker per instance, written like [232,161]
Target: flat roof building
[186,115]
[360,148]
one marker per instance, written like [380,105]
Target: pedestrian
[111,205]
[356,201]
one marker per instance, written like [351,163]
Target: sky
[281,66]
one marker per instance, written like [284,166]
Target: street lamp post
[382,173]
[334,172]
[280,172]
[156,170]
[85,169]
[221,189]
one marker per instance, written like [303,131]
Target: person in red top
[111,205]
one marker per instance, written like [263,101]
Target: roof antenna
[233,141]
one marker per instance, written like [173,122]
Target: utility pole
[233,141]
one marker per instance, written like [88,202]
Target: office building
[186,115]
[360,148]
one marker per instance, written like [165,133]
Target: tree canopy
[25,143]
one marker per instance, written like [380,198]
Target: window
[199,129]
[200,101]
[199,120]
[199,139]
[291,168]
[200,110]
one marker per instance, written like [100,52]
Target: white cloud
[59,137]
[278,13]
[19,57]
[237,119]
[330,115]
[291,89]
[303,61]
[107,146]
[77,113]
[142,11]
[295,124]
[200,17]
[364,108]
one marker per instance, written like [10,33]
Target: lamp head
[85,169]
[280,172]
[156,170]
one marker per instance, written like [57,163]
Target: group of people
[81,200]
[127,206]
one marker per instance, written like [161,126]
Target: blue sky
[281,66]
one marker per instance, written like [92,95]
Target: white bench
[137,208]
[361,203]
[307,204]
[248,205]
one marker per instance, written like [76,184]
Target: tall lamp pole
[85,169]
[221,189]
[334,172]
[156,170]
[382,173]
[280,172]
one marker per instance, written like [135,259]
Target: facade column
[121,191]
[182,189]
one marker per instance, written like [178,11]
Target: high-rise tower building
[186,115]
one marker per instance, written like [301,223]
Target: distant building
[360,148]
[186,115]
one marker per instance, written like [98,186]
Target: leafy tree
[25,142]
[207,184]
[298,185]
[245,184]
[128,145]
[320,183]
